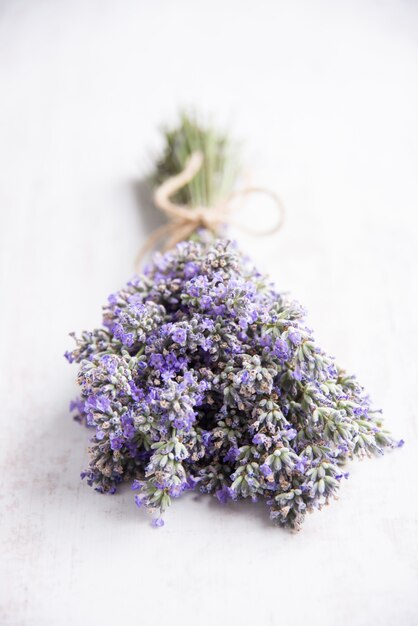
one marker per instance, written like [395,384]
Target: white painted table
[326,96]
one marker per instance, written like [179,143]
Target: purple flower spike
[266,470]
[157,522]
[139,501]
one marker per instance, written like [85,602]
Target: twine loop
[184,220]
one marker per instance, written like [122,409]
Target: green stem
[220,168]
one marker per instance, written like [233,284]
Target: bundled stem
[220,168]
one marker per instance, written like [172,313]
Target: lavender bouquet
[205,377]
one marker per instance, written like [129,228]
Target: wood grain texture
[326,96]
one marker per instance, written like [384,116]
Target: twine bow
[184,220]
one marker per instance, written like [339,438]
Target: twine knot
[184,220]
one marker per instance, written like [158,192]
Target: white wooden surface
[325,94]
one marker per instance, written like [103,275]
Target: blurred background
[324,97]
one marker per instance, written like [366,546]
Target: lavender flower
[204,377]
